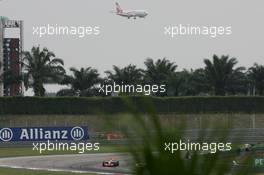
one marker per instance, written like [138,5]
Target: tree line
[220,76]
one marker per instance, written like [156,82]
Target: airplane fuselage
[134,14]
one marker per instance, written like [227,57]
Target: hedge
[112,105]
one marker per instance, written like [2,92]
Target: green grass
[17,152]
[10,171]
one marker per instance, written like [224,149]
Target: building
[11,48]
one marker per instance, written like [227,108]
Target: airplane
[130,13]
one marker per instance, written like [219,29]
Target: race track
[81,163]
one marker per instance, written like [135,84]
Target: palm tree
[128,75]
[159,72]
[174,83]
[40,67]
[82,81]
[193,83]
[238,83]
[220,72]
[256,75]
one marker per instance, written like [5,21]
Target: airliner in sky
[130,13]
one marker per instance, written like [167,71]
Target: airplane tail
[118,8]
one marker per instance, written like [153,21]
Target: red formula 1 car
[110,163]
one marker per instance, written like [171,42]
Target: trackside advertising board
[259,162]
[44,134]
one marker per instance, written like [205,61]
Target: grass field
[17,152]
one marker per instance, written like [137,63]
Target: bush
[112,105]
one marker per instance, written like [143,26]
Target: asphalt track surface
[78,163]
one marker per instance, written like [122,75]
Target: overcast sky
[124,41]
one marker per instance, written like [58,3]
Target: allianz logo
[6,134]
[30,134]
